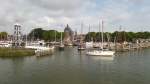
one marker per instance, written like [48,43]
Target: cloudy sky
[133,15]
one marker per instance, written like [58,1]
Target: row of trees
[53,35]
[117,36]
[47,35]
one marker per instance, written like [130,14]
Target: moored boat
[39,46]
[101,52]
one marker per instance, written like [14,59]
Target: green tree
[50,35]
[36,33]
[3,35]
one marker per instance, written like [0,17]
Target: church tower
[17,36]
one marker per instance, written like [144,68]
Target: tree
[90,36]
[131,36]
[50,35]
[3,35]
[36,34]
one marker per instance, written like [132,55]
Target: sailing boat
[61,47]
[81,46]
[101,52]
[89,44]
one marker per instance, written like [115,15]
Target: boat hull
[101,53]
[81,48]
[61,48]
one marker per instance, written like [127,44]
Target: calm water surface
[73,67]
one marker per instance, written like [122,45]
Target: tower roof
[68,29]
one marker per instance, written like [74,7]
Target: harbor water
[73,67]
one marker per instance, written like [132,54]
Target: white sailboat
[89,44]
[101,52]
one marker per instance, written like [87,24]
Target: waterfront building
[68,35]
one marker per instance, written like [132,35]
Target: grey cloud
[58,4]
[51,13]
[32,12]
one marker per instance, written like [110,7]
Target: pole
[55,35]
[61,38]
[102,34]
[89,33]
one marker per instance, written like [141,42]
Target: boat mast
[99,34]
[81,33]
[61,38]
[26,39]
[102,34]
[89,33]
[32,37]
[55,35]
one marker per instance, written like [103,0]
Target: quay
[16,52]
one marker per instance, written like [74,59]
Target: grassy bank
[16,52]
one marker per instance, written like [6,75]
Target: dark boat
[61,47]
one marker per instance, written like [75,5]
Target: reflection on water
[73,67]
[103,58]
